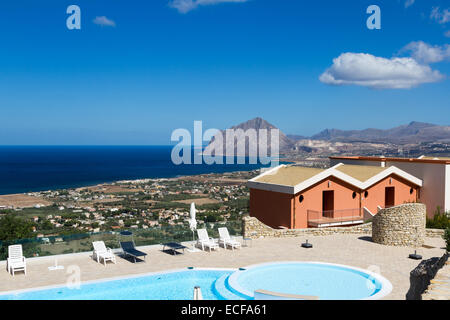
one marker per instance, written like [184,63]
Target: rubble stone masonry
[253,228]
[402,225]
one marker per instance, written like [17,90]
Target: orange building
[298,197]
[433,171]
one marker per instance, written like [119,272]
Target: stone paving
[439,288]
[348,249]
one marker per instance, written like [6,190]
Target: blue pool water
[327,281]
[167,286]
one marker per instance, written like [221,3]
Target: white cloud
[409,3]
[104,21]
[440,16]
[425,53]
[376,72]
[184,6]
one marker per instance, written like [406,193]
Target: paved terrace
[439,288]
[352,250]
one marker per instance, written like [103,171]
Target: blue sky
[152,67]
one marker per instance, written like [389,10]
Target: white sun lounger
[103,253]
[16,261]
[226,240]
[205,241]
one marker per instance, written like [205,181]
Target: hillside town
[134,204]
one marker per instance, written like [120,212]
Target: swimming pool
[175,285]
[326,281]
[323,280]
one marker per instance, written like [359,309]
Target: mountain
[295,137]
[330,141]
[220,146]
[414,132]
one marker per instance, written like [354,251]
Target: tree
[46,225]
[211,218]
[13,228]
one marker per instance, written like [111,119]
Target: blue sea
[40,168]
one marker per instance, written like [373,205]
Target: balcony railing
[335,217]
[77,242]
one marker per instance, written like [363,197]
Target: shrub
[441,220]
[447,239]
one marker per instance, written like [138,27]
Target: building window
[366,194]
[354,195]
[301,198]
[411,191]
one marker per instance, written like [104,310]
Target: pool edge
[386,285]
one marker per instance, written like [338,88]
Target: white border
[386,286]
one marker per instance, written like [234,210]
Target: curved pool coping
[386,286]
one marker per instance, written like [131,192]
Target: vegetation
[12,228]
[441,220]
[177,197]
[447,239]
[151,210]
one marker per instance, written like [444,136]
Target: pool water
[166,286]
[326,281]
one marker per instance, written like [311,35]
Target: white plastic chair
[205,241]
[16,261]
[226,240]
[101,252]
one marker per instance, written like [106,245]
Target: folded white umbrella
[192,221]
[193,226]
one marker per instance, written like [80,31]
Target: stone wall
[421,276]
[434,233]
[253,228]
[402,225]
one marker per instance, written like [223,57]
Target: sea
[39,168]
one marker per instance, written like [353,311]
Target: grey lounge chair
[129,249]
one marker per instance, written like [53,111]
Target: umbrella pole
[194,249]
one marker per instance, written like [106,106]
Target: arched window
[353,195]
[301,198]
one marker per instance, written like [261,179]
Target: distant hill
[414,132]
[257,123]
[296,137]
[335,140]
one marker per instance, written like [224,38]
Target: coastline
[35,169]
[29,199]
